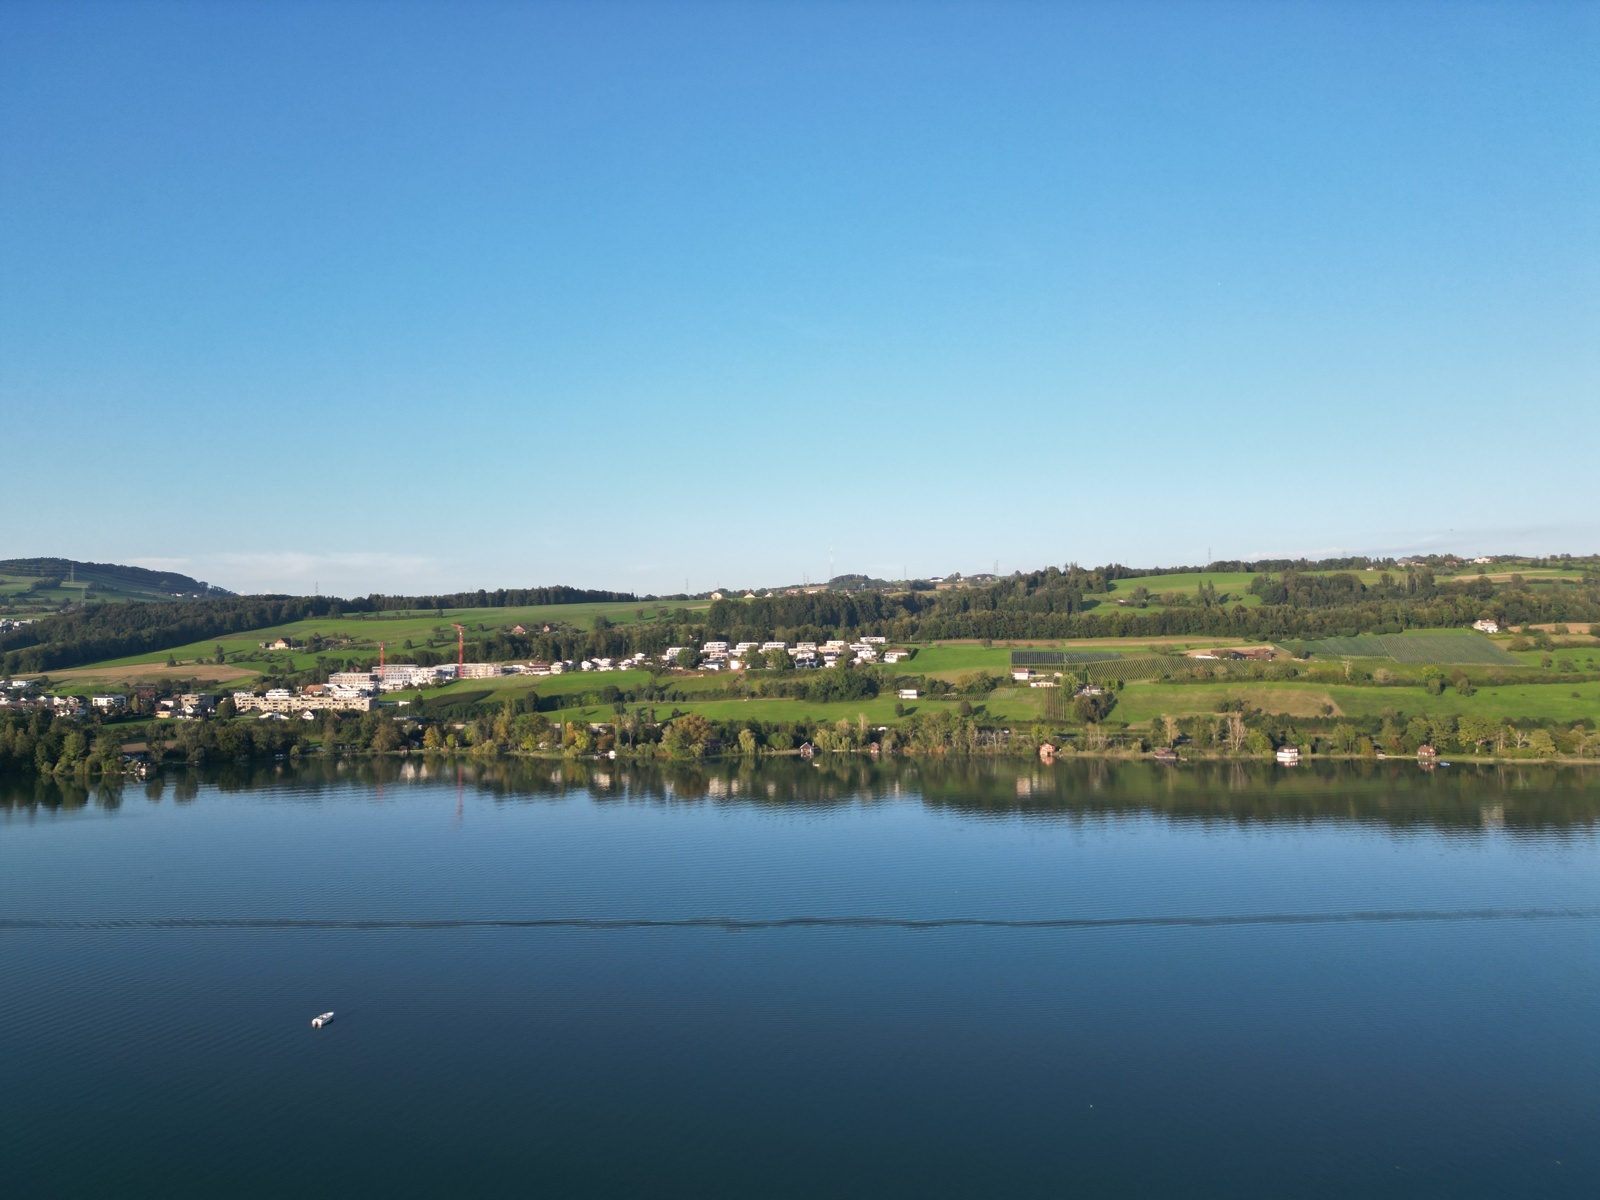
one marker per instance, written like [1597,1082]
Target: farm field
[365,632]
[1531,574]
[104,677]
[1138,703]
[19,591]
[1421,647]
[1235,583]
[1582,658]
[948,660]
[516,687]
[83,581]
[879,710]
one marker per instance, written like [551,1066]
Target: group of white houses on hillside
[356,691]
[717,656]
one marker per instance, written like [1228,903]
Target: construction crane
[461,647]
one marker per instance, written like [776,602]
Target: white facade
[281,700]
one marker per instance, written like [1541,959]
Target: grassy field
[18,591]
[1531,574]
[364,632]
[949,660]
[1443,647]
[1139,702]
[1236,584]
[1582,658]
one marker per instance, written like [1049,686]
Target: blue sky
[387,296]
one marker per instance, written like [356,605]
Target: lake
[786,979]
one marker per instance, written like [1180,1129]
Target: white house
[1487,625]
[908,693]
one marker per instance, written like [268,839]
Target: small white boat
[319,1022]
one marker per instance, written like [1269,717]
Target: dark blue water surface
[791,980]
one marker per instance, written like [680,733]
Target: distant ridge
[113,579]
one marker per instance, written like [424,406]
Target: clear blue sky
[389,296]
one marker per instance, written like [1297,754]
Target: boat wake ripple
[756,924]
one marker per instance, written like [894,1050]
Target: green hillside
[47,583]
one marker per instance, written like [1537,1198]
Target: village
[359,691]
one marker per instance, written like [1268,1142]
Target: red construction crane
[461,647]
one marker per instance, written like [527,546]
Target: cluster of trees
[36,742]
[1469,735]
[499,598]
[1236,731]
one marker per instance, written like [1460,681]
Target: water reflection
[1512,797]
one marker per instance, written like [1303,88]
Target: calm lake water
[789,980]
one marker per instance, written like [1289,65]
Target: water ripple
[755,924]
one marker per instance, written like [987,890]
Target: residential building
[312,699]
[1487,625]
[109,703]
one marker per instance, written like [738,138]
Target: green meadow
[363,632]
[1139,702]
[1236,584]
